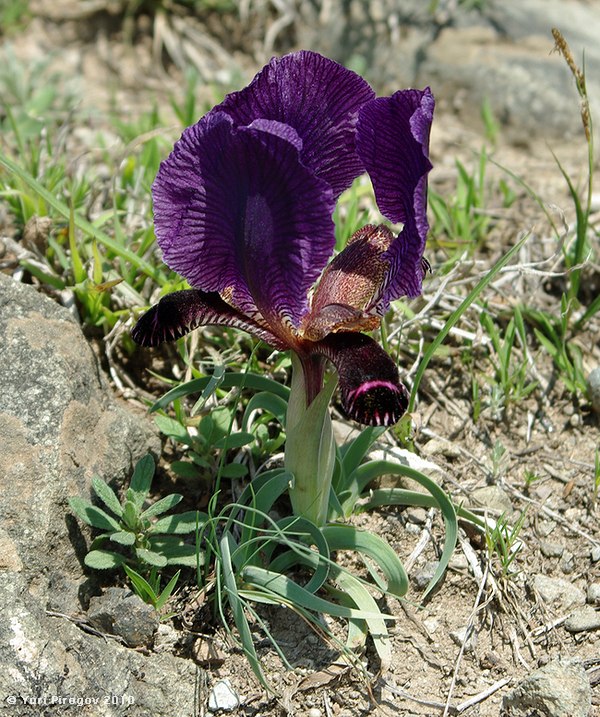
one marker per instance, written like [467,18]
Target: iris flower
[243,211]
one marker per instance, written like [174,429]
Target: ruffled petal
[320,99]
[369,384]
[179,313]
[393,142]
[236,210]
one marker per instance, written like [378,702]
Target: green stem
[310,444]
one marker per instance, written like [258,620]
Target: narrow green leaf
[162,505]
[150,557]
[107,496]
[141,480]
[213,384]
[236,603]
[166,593]
[123,537]
[179,524]
[354,452]
[252,381]
[444,503]
[141,586]
[295,594]
[92,515]
[347,537]
[103,560]
[365,603]
[265,401]
[79,274]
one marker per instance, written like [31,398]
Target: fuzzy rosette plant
[243,211]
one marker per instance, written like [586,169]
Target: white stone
[223,697]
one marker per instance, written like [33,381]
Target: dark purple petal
[320,99]
[393,142]
[235,210]
[369,384]
[179,313]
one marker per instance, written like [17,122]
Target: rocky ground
[485,642]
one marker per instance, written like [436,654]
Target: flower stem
[310,444]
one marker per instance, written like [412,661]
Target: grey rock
[502,53]
[223,697]
[593,384]
[416,515]
[593,593]
[558,590]
[493,498]
[567,563]
[559,689]
[595,554]
[52,658]
[60,425]
[463,637]
[423,576]
[119,612]
[440,446]
[584,619]
[550,549]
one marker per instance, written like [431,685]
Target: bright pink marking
[369,385]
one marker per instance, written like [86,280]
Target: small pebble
[594,389]
[595,554]
[459,637]
[551,550]
[558,590]
[593,593]
[314,712]
[223,697]
[582,620]
[567,563]
[423,576]
[416,515]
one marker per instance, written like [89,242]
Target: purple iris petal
[393,142]
[370,388]
[320,99]
[179,313]
[236,210]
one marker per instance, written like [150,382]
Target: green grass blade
[347,537]
[379,468]
[85,226]
[365,603]
[230,380]
[294,594]
[237,608]
[455,316]
[142,586]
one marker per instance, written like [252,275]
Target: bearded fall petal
[320,99]
[236,210]
[370,388]
[393,142]
[179,313]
